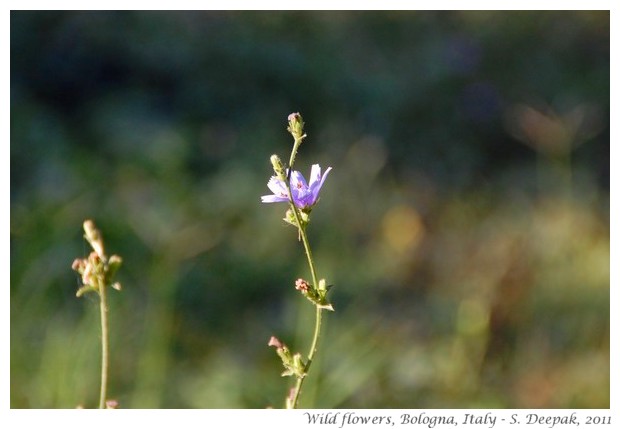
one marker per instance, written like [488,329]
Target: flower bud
[114,264]
[78,265]
[278,167]
[318,296]
[93,236]
[111,404]
[296,126]
[302,285]
[273,341]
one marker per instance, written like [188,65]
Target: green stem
[294,153]
[103,305]
[317,323]
[313,347]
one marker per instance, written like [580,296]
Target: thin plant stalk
[97,271]
[296,144]
[105,343]
[300,205]
[313,348]
[317,323]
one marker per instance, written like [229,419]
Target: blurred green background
[465,224]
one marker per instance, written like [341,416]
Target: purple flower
[304,195]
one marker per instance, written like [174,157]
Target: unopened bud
[78,265]
[301,284]
[93,236]
[296,125]
[94,258]
[273,341]
[111,404]
[114,264]
[278,167]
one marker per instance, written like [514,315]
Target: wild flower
[290,186]
[305,195]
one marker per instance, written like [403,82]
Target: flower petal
[324,176]
[277,187]
[315,174]
[298,181]
[315,186]
[273,199]
[303,198]
[318,182]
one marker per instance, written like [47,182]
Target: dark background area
[465,224]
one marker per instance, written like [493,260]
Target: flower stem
[103,305]
[317,324]
[296,130]
[294,153]
[313,347]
